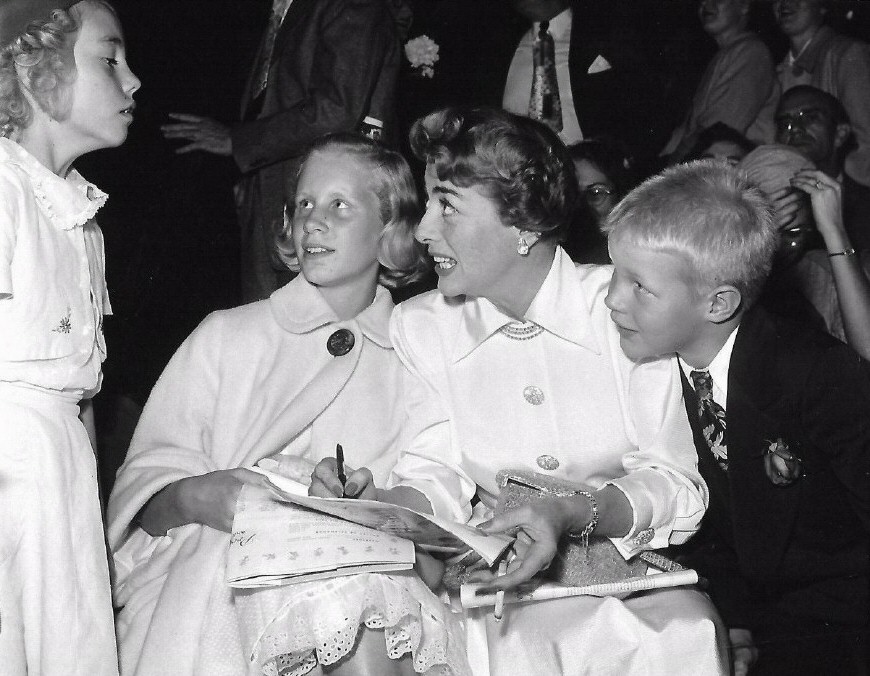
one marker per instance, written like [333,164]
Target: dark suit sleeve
[836,415]
[347,51]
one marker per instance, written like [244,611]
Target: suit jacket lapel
[294,14]
[299,11]
[763,514]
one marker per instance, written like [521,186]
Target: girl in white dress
[65,90]
[279,382]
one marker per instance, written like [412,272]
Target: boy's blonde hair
[709,212]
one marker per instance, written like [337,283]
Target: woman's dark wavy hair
[403,259]
[517,162]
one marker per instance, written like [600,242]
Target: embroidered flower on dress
[782,466]
[65,325]
[422,53]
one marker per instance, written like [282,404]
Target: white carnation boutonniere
[782,466]
[422,53]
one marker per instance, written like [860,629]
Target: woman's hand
[827,202]
[786,205]
[209,499]
[325,483]
[538,526]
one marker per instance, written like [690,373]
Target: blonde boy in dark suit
[779,414]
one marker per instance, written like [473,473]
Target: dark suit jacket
[798,551]
[618,102]
[334,62]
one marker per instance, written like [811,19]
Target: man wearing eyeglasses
[816,124]
[838,64]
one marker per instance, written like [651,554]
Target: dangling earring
[522,246]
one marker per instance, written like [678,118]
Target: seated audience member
[840,65]
[720,142]
[739,86]
[513,363]
[285,378]
[816,124]
[602,167]
[817,276]
[779,413]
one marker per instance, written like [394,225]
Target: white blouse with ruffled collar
[52,276]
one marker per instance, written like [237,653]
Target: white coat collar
[299,307]
[69,202]
[560,307]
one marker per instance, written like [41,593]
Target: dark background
[170,229]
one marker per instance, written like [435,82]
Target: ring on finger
[818,185]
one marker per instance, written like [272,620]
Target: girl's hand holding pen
[325,483]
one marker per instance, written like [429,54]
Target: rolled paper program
[498,611]
[471,597]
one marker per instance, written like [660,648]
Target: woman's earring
[522,246]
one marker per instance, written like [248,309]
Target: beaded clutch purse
[574,564]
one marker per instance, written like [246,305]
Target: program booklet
[281,535]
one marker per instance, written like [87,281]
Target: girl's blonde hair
[403,260]
[40,61]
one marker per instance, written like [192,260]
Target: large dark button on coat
[340,343]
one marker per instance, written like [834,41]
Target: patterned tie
[264,58]
[545,104]
[712,417]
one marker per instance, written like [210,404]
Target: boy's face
[654,304]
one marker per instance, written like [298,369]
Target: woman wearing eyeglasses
[604,174]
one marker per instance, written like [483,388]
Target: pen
[339,466]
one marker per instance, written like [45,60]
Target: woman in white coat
[514,363]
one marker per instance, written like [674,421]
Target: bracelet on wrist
[848,251]
[586,531]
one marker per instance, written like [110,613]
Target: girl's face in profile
[336,221]
[100,98]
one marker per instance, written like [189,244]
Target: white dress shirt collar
[560,307]
[718,369]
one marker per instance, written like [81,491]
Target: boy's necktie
[712,417]
[545,104]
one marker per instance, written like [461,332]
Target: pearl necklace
[521,330]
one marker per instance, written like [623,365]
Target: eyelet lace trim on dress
[322,624]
